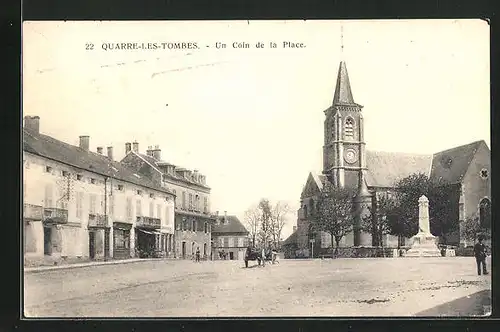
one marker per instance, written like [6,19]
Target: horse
[253,254]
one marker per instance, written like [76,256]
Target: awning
[149,232]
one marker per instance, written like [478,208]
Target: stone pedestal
[424,243]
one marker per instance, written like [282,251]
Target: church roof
[452,164]
[292,239]
[343,92]
[385,168]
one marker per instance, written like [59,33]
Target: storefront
[121,240]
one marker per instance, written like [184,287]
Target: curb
[80,265]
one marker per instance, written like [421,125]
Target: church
[348,163]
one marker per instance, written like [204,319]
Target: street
[342,287]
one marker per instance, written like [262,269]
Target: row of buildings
[85,204]
[369,174]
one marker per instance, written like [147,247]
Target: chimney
[128,148]
[157,152]
[149,151]
[32,123]
[225,214]
[110,152]
[294,228]
[135,147]
[99,149]
[217,213]
[84,142]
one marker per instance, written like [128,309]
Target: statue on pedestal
[424,243]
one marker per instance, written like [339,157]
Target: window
[65,173]
[79,204]
[241,242]
[138,208]
[349,128]
[221,240]
[120,187]
[484,174]
[93,181]
[193,225]
[139,192]
[151,209]
[49,198]
[197,202]
[151,195]
[190,201]
[184,200]
[230,242]
[206,228]
[158,211]
[129,208]
[79,177]
[305,211]
[92,203]
[48,169]
[485,213]
[226,242]
[205,204]
[121,238]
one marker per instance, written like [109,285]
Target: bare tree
[265,221]
[252,221]
[279,215]
[334,213]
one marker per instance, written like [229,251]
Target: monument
[424,243]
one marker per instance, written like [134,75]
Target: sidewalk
[90,263]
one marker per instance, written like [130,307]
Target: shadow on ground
[472,305]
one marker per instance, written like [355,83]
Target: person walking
[480,254]
[198,254]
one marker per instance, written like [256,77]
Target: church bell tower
[344,160]
[344,146]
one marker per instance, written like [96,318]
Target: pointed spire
[343,93]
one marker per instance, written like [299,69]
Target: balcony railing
[55,215]
[148,222]
[33,212]
[98,220]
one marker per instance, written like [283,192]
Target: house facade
[79,203]
[193,221]
[368,174]
[230,238]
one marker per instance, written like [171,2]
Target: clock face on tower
[350,156]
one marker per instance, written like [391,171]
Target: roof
[292,239]
[158,163]
[343,92]
[386,168]
[231,225]
[452,164]
[49,147]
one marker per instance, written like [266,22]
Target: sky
[251,119]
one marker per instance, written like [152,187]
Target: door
[106,243]
[231,255]
[204,249]
[183,249]
[91,245]
[47,243]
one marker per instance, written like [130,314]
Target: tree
[381,219]
[252,221]
[279,213]
[471,229]
[408,192]
[334,213]
[265,221]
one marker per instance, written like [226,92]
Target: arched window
[349,128]
[311,206]
[305,211]
[485,213]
